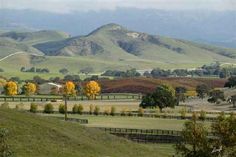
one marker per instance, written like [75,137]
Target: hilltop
[110,47]
[32,135]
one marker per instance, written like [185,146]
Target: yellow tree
[92,88]
[68,90]
[11,88]
[29,88]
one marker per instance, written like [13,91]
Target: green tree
[194,141]
[163,96]
[216,95]
[231,82]
[225,129]
[202,90]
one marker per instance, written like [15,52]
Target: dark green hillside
[35,136]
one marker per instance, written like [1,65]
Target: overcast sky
[66,6]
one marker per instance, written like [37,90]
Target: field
[146,85]
[32,135]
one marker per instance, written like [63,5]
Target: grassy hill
[110,47]
[35,136]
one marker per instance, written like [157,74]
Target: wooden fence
[146,135]
[77,98]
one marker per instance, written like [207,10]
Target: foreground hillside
[35,136]
[147,85]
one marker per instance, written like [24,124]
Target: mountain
[110,47]
[217,27]
[117,43]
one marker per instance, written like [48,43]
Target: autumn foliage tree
[92,89]
[68,90]
[11,88]
[29,88]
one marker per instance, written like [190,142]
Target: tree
[231,82]
[29,88]
[4,147]
[92,88]
[194,141]
[225,128]
[68,90]
[86,70]
[179,92]
[202,90]
[163,96]
[11,88]
[64,71]
[215,95]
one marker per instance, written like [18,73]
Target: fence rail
[77,98]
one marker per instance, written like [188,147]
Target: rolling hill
[108,47]
[36,136]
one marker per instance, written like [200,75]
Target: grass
[32,135]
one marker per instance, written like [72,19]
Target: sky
[67,6]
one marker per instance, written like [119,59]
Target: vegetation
[11,88]
[202,90]
[33,107]
[164,96]
[231,82]
[29,89]
[48,136]
[4,146]
[92,89]
[48,108]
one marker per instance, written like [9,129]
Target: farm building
[49,88]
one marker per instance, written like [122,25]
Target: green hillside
[109,47]
[35,136]
[35,37]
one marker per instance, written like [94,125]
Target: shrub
[140,112]
[80,109]
[4,146]
[33,107]
[96,110]
[130,113]
[75,109]
[91,109]
[106,112]
[61,108]
[5,105]
[123,112]
[48,108]
[19,106]
[113,110]
[202,115]
[183,113]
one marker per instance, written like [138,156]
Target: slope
[32,135]
[115,42]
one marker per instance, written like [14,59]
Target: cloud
[66,6]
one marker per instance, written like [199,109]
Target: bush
[91,109]
[33,107]
[62,108]
[123,112]
[80,109]
[202,115]
[113,110]
[140,112]
[19,106]
[183,113]
[106,112]
[48,108]
[96,110]
[75,109]
[5,105]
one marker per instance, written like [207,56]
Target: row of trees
[118,73]
[35,70]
